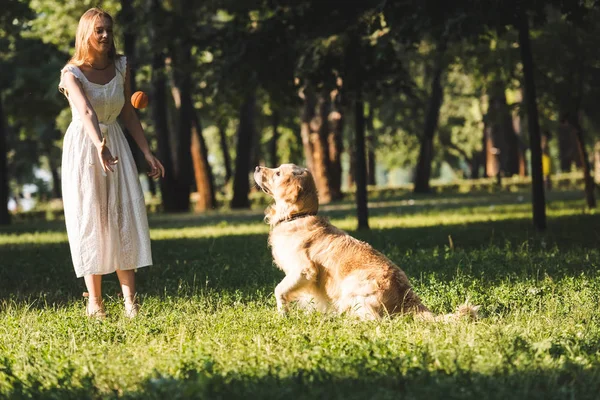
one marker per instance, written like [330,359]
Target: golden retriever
[325,268]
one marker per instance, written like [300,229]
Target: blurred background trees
[374,93]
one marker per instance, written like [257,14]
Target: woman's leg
[94,287]
[127,281]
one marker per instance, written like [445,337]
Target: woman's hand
[156,168]
[106,158]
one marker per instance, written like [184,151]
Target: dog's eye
[278,173]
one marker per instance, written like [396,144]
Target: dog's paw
[282,313]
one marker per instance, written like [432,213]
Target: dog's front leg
[291,282]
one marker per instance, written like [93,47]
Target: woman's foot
[95,308]
[132,308]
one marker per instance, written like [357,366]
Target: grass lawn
[209,328]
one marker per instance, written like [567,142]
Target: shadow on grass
[362,382]
[405,204]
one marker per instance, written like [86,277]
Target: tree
[423,172]
[4,214]
[159,108]
[538,199]
[245,136]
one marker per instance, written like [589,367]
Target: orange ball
[139,100]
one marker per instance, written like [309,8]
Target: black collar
[294,217]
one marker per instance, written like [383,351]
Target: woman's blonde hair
[84,32]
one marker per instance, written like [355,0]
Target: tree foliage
[218,54]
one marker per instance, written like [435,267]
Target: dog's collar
[294,217]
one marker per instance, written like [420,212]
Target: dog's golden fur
[325,268]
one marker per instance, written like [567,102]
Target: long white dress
[105,213]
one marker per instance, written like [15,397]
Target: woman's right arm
[89,119]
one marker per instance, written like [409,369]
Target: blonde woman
[105,213]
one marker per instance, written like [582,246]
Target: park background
[424,121]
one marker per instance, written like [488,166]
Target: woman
[105,212]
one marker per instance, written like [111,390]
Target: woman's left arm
[134,127]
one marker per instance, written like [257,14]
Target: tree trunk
[183,164]
[315,132]
[56,183]
[192,151]
[360,169]
[474,164]
[597,162]
[161,126]
[318,140]
[127,21]
[573,121]
[158,108]
[568,152]
[4,214]
[504,143]
[335,143]
[351,179]
[245,138]
[152,187]
[371,137]
[537,181]
[273,159]
[423,172]
[225,150]
[518,130]
[308,115]
[490,153]
[202,170]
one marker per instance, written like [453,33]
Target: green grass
[209,329]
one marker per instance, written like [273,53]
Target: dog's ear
[293,191]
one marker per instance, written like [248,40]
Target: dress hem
[114,270]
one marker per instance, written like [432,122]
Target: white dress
[105,213]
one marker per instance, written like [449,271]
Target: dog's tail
[464,311]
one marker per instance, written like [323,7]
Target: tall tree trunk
[501,133]
[360,169]
[490,153]
[127,21]
[4,214]
[159,108]
[423,172]
[567,147]
[225,150]
[517,128]
[297,154]
[597,162]
[184,167]
[335,144]
[315,133]
[56,183]
[307,117]
[202,170]
[371,137]
[245,138]
[318,139]
[273,159]
[573,121]
[474,164]
[195,159]
[351,178]
[537,181]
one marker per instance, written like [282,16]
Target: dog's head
[293,189]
